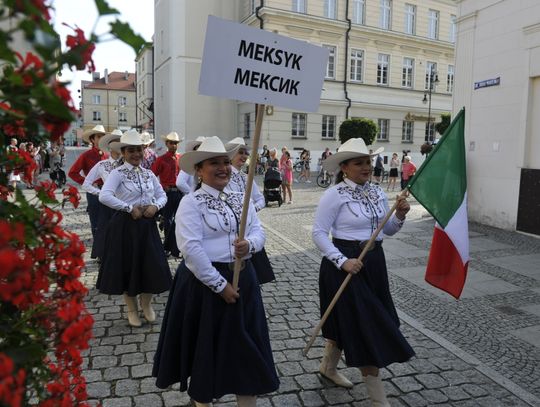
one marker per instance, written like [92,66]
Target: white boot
[329,364]
[133,311]
[197,404]
[246,401]
[375,388]
[146,305]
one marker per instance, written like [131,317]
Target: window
[359,7]
[142,67]
[143,88]
[450,79]
[299,125]
[247,125]
[382,69]
[382,135]
[433,27]
[330,8]
[253,6]
[431,69]
[122,100]
[453,28]
[430,131]
[386,14]
[299,6]
[328,127]
[96,116]
[122,117]
[407,132]
[331,66]
[357,57]
[408,73]
[96,99]
[410,19]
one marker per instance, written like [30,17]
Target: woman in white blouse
[364,322]
[185,182]
[109,143]
[134,262]
[213,336]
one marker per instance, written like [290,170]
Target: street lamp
[433,80]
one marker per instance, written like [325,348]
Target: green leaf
[104,8]
[124,33]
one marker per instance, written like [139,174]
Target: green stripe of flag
[441,182]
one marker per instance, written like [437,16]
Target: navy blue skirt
[364,322]
[104,217]
[133,260]
[263,267]
[221,348]
[169,212]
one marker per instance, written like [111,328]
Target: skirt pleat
[364,322]
[134,260]
[104,217]
[263,267]
[221,348]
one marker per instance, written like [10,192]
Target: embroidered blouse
[206,227]
[127,186]
[185,182]
[99,171]
[238,183]
[351,212]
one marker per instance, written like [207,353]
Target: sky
[111,55]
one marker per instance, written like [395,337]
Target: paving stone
[175,399]
[148,400]
[141,370]
[118,402]
[286,400]
[414,400]
[99,362]
[434,396]
[131,359]
[115,373]
[336,395]
[92,376]
[98,389]
[126,387]
[311,399]
[407,384]
[431,381]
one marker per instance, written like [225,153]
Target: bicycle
[298,165]
[324,179]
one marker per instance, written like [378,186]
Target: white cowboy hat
[210,147]
[235,142]
[193,144]
[352,148]
[130,138]
[147,138]
[110,141]
[99,129]
[172,136]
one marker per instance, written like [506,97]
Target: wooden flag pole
[404,193]
[249,186]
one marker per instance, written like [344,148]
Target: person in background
[134,262]
[287,177]
[149,155]
[186,182]
[273,162]
[14,176]
[265,155]
[364,322]
[84,164]
[408,169]
[214,339]
[305,156]
[326,153]
[393,176]
[378,169]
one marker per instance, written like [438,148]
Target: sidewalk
[480,351]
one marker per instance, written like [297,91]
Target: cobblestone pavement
[479,351]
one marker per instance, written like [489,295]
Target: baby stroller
[58,175]
[272,186]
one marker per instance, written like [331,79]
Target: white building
[498,82]
[144,85]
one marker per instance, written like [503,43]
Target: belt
[357,243]
[172,189]
[229,265]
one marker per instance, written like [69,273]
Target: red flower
[48,187]
[72,195]
[35,8]
[79,44]
[11,385]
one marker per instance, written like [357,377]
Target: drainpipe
[346,53]
[261,26]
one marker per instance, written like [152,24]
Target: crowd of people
[214,337]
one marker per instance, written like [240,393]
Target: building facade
[109,101]
[144,73]
[498,82]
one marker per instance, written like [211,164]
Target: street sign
[252,65]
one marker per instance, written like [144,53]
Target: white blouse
[127,186]
[185,182]
[207,223]
[99,171]
[351,212]
[238,183]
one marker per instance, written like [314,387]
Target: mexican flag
[440,185]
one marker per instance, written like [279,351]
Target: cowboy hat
[235,142]
[147,138]
[172,136]
[110,141]
[130,138]
[352,148]
[209,148]
[99,129]
[193,144]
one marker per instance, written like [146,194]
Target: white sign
[252,65]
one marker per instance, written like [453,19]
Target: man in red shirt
[84,163]
[166,169]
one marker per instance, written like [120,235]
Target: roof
[117,81]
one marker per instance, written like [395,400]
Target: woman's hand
[150,211]
[229,295]
[352,266]
[241,248]
[136,212]
[402,207]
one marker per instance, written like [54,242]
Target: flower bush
[44,324]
